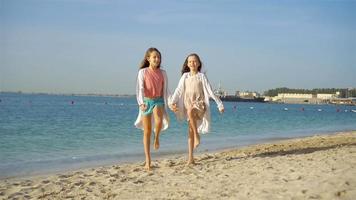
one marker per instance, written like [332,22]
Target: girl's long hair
[185,67]
[145,63]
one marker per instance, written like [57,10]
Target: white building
[304,98]
[294,96]
[326,96]
[247,94]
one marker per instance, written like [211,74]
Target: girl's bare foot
[148,166]
[190,162]
[196,140]
[156,143]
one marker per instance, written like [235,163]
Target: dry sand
[318,167]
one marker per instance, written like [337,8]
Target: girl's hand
[173,107]
[221,110]
[143,107]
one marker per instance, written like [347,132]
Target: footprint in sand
[136,170]
[78,173]
[59,183]
[63,181]
[171,163]
[101,171]
[115,175]
[64,176]
[92,183]
[26,183]
[138,182]
[87,175]
[26,190]
[124,179]
[14,195]
[206,157]
[340,193]
[80,183]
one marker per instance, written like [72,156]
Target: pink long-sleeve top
[153,83]
[140,87]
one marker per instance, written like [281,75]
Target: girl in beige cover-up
[190,101]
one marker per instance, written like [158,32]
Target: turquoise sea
[50,133]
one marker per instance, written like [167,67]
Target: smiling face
[193,63]
[154,59]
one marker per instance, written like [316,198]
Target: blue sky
[95,46]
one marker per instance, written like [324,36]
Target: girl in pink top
[153,83]
[151,93]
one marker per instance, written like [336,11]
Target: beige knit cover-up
[194,96]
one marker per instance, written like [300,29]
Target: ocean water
[50,133]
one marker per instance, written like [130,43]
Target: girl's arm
[140,88]
[211,93]
[178,91]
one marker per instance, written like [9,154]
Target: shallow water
[54,132]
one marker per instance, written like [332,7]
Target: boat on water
[234,98]
[239,96]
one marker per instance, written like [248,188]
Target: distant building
[345,101]
[294,96]
[247,95]
[304,98]
[327,96]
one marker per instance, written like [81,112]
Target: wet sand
[317,167]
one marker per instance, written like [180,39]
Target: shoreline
[156,155]
[319,166]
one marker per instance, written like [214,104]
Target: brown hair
[185,67]
[145,62]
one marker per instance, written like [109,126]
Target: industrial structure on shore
[311,99]
[291,98]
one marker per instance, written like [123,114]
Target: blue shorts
[151,103]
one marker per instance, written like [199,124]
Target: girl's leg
[147,139]
[158,117]
[193,125]
[190,145]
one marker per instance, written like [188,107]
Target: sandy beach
[317,167]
